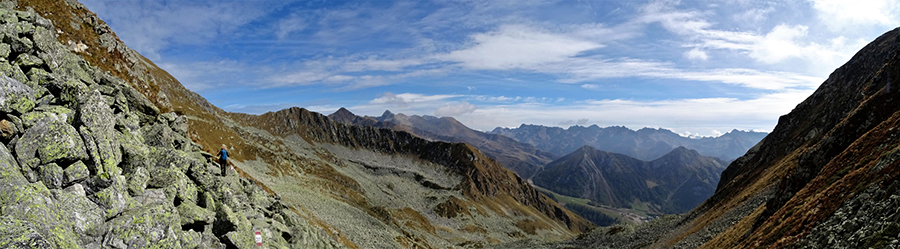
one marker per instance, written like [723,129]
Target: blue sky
[695,67]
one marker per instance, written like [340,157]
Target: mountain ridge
[673,183]
[644,143]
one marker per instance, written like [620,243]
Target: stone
[33,202]
[158,135]
[52,141]
[15,96]
[7,130]
[177,184]
[28,61]
[76,172]
[148,226]
[83,214]
[180,125]
[139,103]
[4,50]
[52,112]
[151,196]
[13,72]
[76,189]
[99,132]
[51,175]
[115,199]
[137,181]
[15,233]
[193,214]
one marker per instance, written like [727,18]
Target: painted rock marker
[258,238]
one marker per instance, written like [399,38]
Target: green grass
[639,208]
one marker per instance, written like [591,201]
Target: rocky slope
[104,149]
[645,144]
[522,158]
[826,177]
[674,183]
[88,161]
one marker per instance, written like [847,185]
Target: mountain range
[522,158]
[825,177]
[674,183]
[645,144]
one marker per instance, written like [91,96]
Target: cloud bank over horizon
[697,68]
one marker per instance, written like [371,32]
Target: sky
[699,68]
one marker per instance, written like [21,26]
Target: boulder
[193,214]
[15,96]
[51,175]
[51,141]
[81,213]
[15,233]
[115,199]
[137,181]
[75,173]
[99,132]
[7,130]
[145,227]
[47,112]
[158,135]
[34,203]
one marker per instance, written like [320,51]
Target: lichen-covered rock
[134,153]
[115,199]
[175,183]
[137,181]
[16,233]
[99,133]
[28,60]
[193,214]
[180,125]
[151,196]
[154,225]
[52,141]
[47,112]
[15,96]
[158,135]
[75,173]
[33,202]
[82,214]
[51,175]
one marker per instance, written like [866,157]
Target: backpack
[224,155]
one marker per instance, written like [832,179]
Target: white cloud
[453,110]
[843,15]
[696,54]
[590,86]
[291,24]
[408,98]
[518,46]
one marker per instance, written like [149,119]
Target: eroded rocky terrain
[102,149]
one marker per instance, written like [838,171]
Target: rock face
[826,177]
[645,144]
[522,158]
[675,183]
[77,173]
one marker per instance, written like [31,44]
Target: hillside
[645,144]
[674,183]
[826,177]
[105,149]
[522,158]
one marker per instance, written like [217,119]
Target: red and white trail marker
[258,238]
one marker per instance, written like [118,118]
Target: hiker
[223,159]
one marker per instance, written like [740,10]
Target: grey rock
[28,61]
[114,199]
[76,172]
[152,196]
[99,133]
[51,112]
[180,125]
[51,175]
[52,141]
[15,233]
[137,182]
[82,214]
[158,135]
[76,189]
[147,226]
[15,96]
